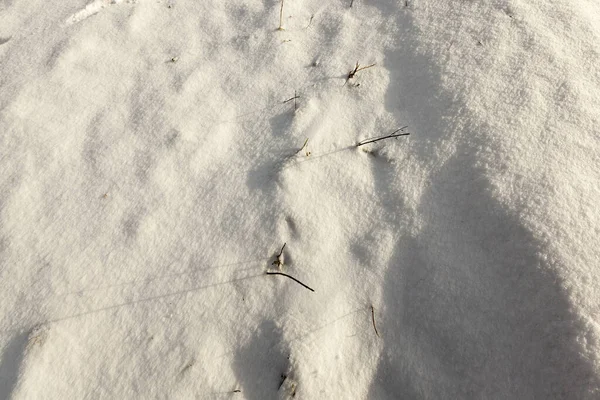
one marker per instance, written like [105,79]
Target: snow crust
[151,170]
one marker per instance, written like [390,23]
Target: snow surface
[151,172]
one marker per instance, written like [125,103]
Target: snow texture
[151,170]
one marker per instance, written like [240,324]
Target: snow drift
[152,169]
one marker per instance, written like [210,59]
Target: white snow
[150,173]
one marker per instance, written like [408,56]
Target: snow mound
[157,154]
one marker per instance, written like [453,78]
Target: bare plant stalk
[373,319]
[293,98]
[357,68]
[309,22]
[279,261]
[303,146]
[281,251]
[288,276]
[394,134]
[368,66]
[281,17]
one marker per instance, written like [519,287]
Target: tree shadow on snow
[473,308]
[12,357]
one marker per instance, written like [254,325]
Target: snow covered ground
[151,171]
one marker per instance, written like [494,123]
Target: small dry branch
[281,17]
[293,98]
[309,22]
[291,277]
[303,147]
[279,260]
[357,68]
[373,319]
[395,134]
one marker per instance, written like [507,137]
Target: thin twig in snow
[303,147]
[394,134]
[291,277]
[281,17]
[293,98]
[373,319]
[357,68]
[280,259]
[310,22]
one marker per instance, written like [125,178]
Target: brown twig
[309,22]
[394,134]
[293,98]
[291,277]
[303,147]
[357,68]
[279,259]
[373,319]
[281,17]
[281,251]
